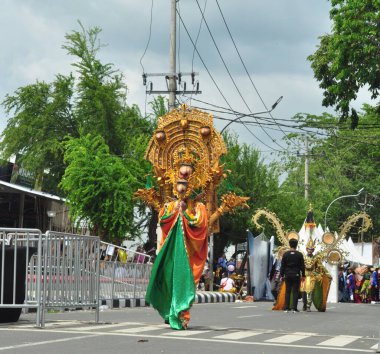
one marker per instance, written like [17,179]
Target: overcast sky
[274,38]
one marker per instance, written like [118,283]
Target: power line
[196,39]
[230,75]
[150,35]
[241,59]
[213,80]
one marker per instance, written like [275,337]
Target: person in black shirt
[292,269]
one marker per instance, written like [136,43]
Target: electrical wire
[213,80]
[241,59]
[196,39]
[150,35]
[230,75]
[298,127]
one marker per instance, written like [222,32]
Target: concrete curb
[200,297]
[213,296]
[121,303]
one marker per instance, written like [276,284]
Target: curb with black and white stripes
[213,296]
[200,297]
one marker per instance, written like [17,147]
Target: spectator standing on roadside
[222,262]
[350,280]
[374,285]
[341,286]
[292,269]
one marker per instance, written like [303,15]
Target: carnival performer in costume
[316,286]
[185,152]
[180,262]
[317,283]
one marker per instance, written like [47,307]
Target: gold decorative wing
[276,223]
[332,251]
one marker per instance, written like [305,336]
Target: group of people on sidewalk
[359,285]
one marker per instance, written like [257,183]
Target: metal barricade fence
[70,272]
[52,271]
[123,280]
[63,271]
[124,273]
[17,248]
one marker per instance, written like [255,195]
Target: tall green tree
[42,117]
[249,176]
[347,59]
[47,118]
[343,161]
[100,186]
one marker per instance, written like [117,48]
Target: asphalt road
[214,328]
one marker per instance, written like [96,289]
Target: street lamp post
[341,197]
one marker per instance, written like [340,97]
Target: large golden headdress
[185,147]
[185,150]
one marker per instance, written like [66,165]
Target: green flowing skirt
[171,288]
[320,293]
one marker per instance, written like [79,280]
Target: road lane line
[238,335]
[240,343]
[48,342]
[339,341]
[288,338]
[110,325]
[186,333]
[139,329]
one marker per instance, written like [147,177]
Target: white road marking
[267,343]
[48,342]
[288,338]
[187,333]
[249,316]
[244,307]
[139,329]
[310,334]
[376,346]
[47,324]
[339,341]
[100,326]
[238,335]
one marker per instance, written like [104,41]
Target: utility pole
[307,162]
[172,55]
[306,168]
[172,76]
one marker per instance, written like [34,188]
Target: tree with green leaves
[100,186]
[50,120]
[42,117]
[343,161]
[347,59]
[248,176]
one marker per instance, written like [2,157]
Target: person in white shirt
[227,284]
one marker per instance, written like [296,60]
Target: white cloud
[274,38]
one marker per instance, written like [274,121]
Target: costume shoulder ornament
[185,150]
[282,236]
[331,250]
